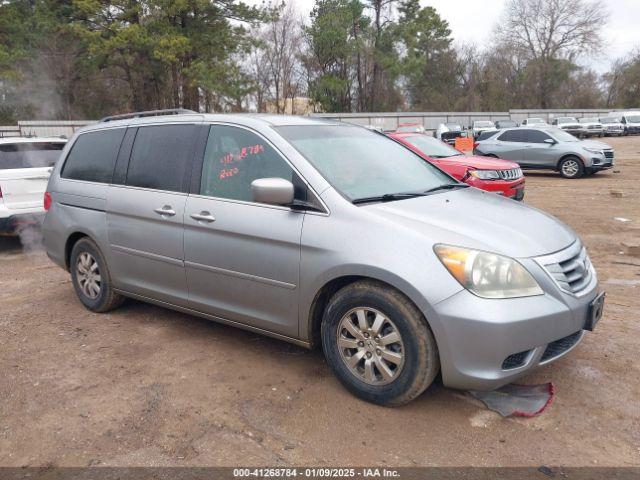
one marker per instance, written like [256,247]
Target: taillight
[475,144]
[0,192]
[47,201]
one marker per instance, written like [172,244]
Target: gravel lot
[147,386]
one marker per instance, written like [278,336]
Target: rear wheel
[378,344]
[91,278]
[571,167]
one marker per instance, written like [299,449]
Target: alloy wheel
[570,168]
[370,346]
[88,275]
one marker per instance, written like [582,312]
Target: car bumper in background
[12,224]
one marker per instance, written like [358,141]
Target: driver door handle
[203,216]
[166,210]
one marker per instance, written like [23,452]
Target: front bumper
[513,189]
[12,224]
[485,343]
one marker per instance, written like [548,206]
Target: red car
[491,174]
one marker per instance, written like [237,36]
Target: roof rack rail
[148,113]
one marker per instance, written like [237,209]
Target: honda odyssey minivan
[304,230]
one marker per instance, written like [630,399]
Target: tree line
[66,59]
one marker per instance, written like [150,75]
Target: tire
[571,167]
[84,255]
[414,356]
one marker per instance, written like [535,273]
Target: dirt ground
[145,386]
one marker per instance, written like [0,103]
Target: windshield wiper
[388,197]
[446,186]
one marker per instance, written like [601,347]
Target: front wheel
[378,344]
[571,167]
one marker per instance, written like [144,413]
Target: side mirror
[274,191]
[550,141]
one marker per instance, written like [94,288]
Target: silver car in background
[591,127]
[481,126]
[612,126]
[568,124]
[320,233]
[534,122]
[548,148]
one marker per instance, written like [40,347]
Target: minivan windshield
[567,120]
[589,120]
[432,147]
[362,164]
[633,118]
[609,120]
[483,123]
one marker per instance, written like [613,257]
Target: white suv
[25,166]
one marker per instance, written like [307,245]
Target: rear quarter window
[486,135]
[29,155]
[93,156]
[513,136]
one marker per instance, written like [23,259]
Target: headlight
[593,150]
[485,174]
[487,275]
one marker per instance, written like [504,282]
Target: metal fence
[384,120]
[43,128]
[431,120]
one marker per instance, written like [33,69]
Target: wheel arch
[72,239]
[331,286]
[567,155]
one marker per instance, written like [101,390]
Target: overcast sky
[473,20]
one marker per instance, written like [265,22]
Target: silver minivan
[320,233]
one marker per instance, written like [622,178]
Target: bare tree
[550,33]
[279,56]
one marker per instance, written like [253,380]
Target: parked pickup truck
[25,166]
[569,124]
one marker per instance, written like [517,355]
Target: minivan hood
[472,218]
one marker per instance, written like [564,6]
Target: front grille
[511,174]
[573,272]
[560,346]
[594,127]
[516,360]
[608,153]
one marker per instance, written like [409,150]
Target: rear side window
[93,156]
[29,155]
[485,135]
[160,157]
[513,136]
[536,136]
[234,158]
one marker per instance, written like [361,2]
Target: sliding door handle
[166,210]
